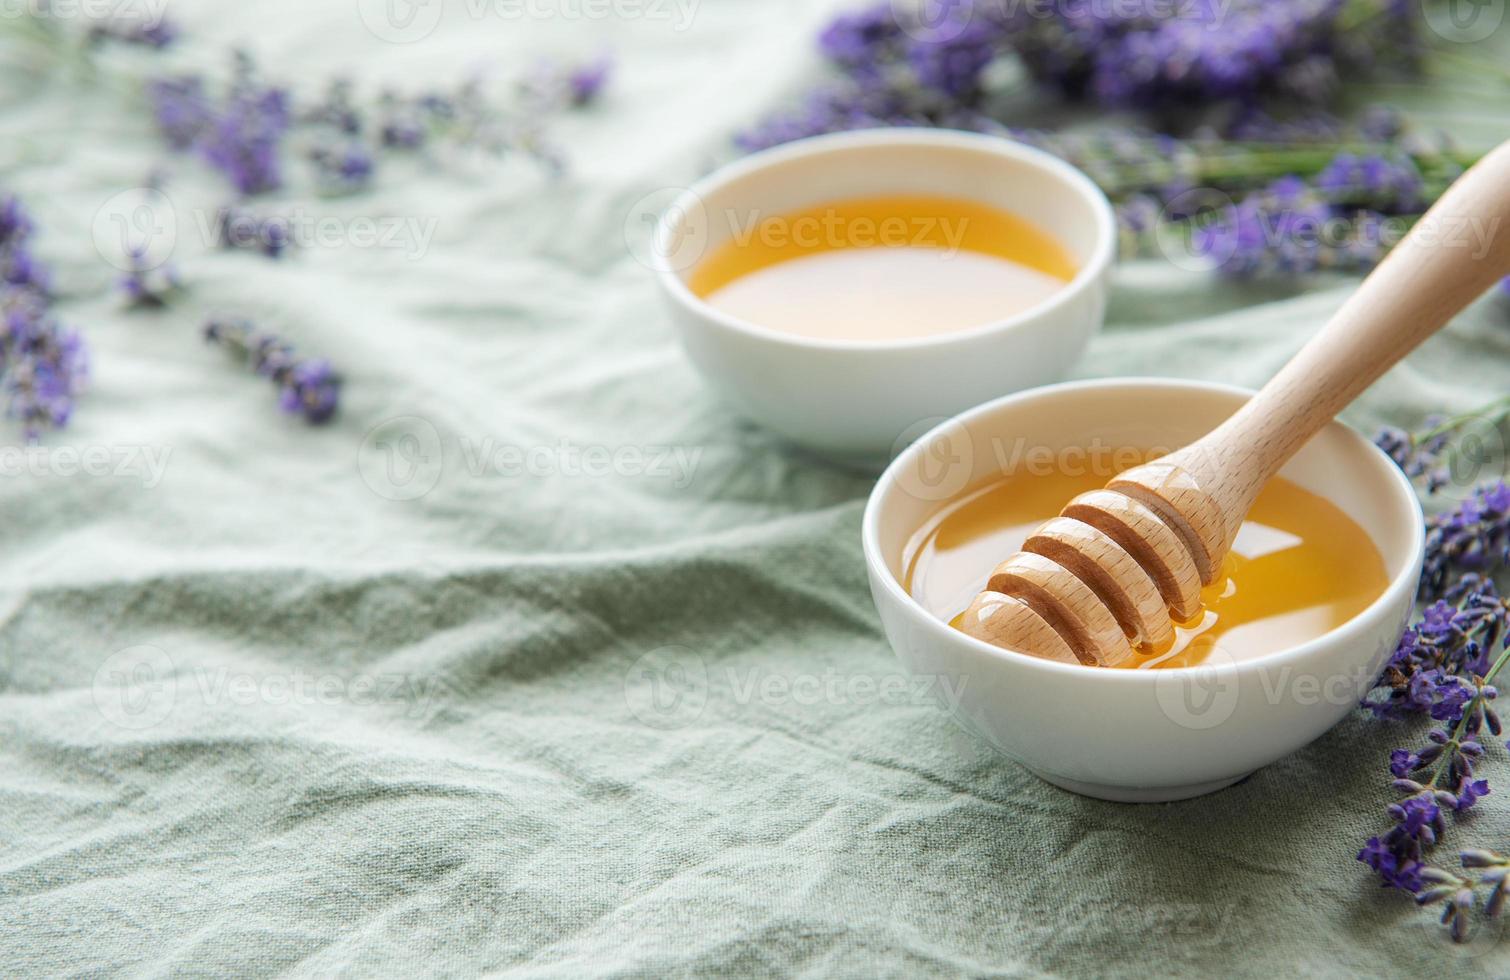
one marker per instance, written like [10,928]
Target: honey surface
[1300,566]
[882,268]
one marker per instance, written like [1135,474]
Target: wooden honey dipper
[1104,577]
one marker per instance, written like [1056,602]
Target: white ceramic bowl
[855,399]
[1154,734]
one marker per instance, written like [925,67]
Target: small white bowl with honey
[850,289]
[1306,611]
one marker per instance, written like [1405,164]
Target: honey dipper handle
[1460,248]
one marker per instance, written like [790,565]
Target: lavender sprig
[580,84]
[239,227]
[239,134]
[146,284]
[43,364]
[1432,452]
[1444,668]
[242,130]
[1152,56]
[143,31]
[308,387]
[343,168]
[1309,192]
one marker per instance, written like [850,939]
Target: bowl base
[1135,794]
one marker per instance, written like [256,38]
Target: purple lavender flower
[1475,537]
[1395,870]
[1418,818]
[19,269]
[1254,124]
[181,108]
[1277,231]
[1211,52]
[343,169]
[151,32]
[43,364]
[552,83]
[1429,671]
[1381,124]
[1443,666]
[585,82]
[1383,184]
[244,141]
[311,389]
[1455,892]
[145,284]
[1451,697]
[240,135]
[241,228]
[1421,455]
[401,123]
[45,368]
[862,38]
[1471,793]
[1403,762]
[337,112]
[307,387]
[951,58]
[15,224]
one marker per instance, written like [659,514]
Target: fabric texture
[538,659]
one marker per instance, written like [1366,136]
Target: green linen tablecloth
[599,700]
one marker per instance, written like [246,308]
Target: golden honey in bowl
[1300,567]
[882,268]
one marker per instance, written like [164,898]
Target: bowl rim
[881,139]
[1406,580]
